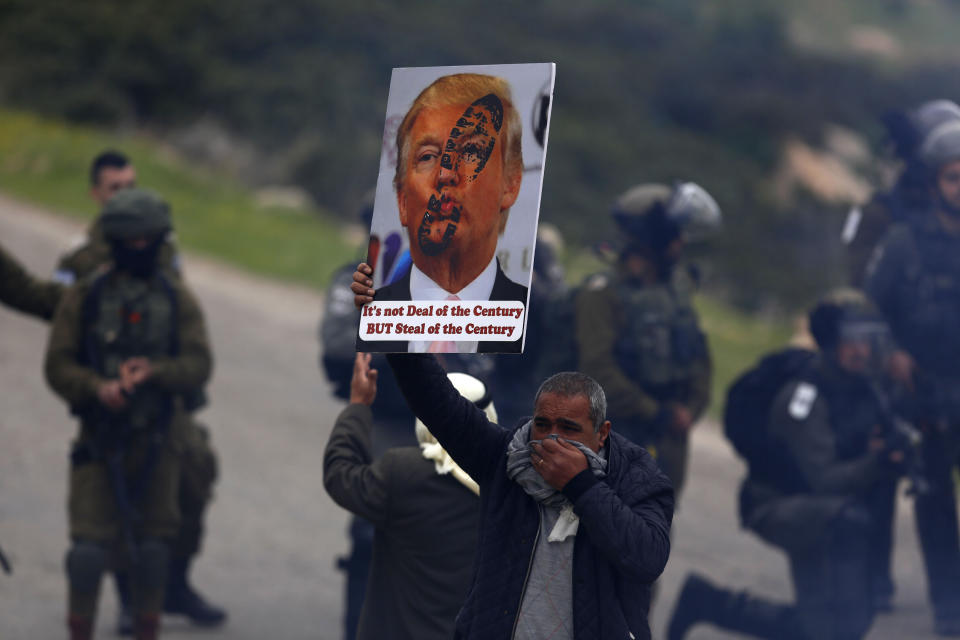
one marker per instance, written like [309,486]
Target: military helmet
[907,128]
[848,315]
[135,212]
[941,146]
[695,210]
[636,203]
[932,114]
[660,213]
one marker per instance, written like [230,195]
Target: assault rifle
[900,435]
[112,444]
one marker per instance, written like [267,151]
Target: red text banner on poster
[476,320]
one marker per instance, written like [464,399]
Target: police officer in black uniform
[866,225]
[827,460]
[914,279]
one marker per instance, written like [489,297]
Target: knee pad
[85,563]
[152,559]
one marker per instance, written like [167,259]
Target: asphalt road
[273,532]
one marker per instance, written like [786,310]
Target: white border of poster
[461,326]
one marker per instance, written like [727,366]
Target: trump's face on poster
[455,184]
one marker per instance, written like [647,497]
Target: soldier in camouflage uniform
[127,344]
[23,292]
[914,279]
[111,172]
[637,331]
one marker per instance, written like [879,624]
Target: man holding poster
[459,170]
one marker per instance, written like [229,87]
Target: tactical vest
[662,341]
[930,304]
[128,317]
[854,413]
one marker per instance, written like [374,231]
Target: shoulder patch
[851,225]
[597,281]
[802,401]
[875,257]
[65,277]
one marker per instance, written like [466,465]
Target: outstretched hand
[362,283]
[363,385]
[557,461]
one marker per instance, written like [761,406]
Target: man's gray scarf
[520,469]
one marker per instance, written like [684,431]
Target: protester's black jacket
[624,537]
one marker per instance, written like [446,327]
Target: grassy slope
[736,342]
[46,162]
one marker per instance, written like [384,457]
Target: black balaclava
[651,236]
[139,262]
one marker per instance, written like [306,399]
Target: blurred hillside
[773,107]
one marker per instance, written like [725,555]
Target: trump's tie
[444,346]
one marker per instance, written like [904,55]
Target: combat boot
[81,627]
[701,601]
[183,600]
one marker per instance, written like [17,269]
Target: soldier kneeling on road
[127,343]
[820,459]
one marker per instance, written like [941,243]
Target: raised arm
[25,293]
[351,477]
[458,425]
